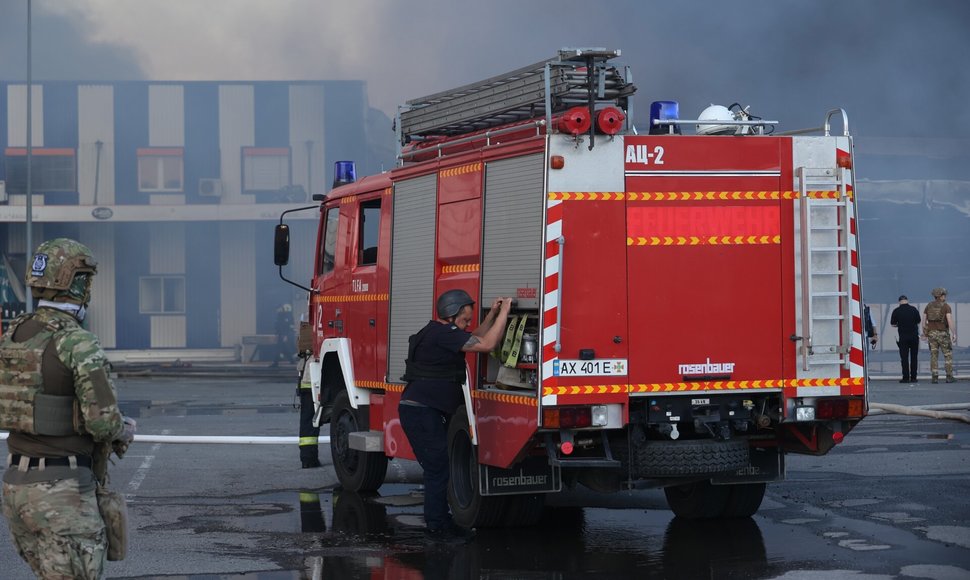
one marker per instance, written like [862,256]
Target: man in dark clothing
[906,319]
[435,371]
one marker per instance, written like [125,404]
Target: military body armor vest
[415,370]
[934,312]
[25,406]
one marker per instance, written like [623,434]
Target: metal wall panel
[412,266]
[102,313]
[237,129]
[512,232]
[96,174]
[166,116]
[307,125]
[168,331]
[17,116]
[166,248]
[237,285]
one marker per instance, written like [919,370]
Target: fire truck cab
[688,306]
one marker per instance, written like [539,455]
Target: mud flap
[533,475]
[766,464]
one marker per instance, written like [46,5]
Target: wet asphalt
[890,502]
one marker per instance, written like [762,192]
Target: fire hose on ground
[931,411]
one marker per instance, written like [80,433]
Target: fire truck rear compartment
[720,416]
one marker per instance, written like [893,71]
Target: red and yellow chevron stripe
[326,298]
[688,195]
[458,268]
[701,241]
[460,170]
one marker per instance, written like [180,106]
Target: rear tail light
[574,417]
[838,408]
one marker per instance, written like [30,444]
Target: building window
[328,242]
[369,225]
[160,169]
[51,170]
[265,169]
[161,295]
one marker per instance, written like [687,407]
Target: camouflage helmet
[937,292]
[62,270]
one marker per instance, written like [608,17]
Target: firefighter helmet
[62,270]
[451,302]
[937,292]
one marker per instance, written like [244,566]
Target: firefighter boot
[936,379]
[950,379]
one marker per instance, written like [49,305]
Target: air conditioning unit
[209,187]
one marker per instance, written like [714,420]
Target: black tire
[697,501]
[744,499]
[469,508]
[689,457]
[356,470]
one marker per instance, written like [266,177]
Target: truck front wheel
[469,508]
[356,470]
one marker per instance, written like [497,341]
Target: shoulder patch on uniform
[102,388]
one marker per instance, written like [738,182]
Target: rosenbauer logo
[706,369]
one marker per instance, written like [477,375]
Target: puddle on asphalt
[345,535]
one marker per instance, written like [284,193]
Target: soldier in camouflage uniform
[60,407]
[937,328]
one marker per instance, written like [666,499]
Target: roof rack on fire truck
[576,76]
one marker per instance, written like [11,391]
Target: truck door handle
[794,338]
[372,322]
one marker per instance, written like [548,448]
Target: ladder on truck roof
[574,77]
[825,263]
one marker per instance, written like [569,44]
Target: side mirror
[281,245]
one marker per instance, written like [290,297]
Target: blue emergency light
[344,172]
[664,111]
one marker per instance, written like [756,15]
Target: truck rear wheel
[356,470]
[697,501]
[703,500]
[469,508]
[744,500]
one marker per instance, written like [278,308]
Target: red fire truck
[688,307]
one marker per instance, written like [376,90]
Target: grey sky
[897,66]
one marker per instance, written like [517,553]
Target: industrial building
[176,187]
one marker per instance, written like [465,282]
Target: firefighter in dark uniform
[435,371]
[60,407]
[309,434]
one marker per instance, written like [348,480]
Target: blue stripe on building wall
[61,130]
[131,132]
[272,114]
[60,115]
[3,128]
[202,291]
[202,158]
[131,262]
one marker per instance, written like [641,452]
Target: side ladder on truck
[825,255]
